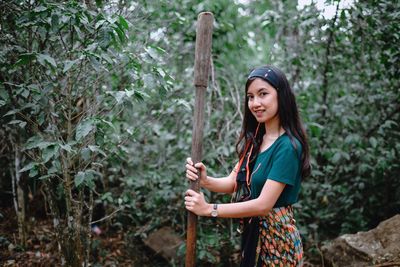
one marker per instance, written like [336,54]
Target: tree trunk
[19,200]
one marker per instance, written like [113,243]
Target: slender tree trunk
[52,201]
[19,200]
[72,239]
[89,229]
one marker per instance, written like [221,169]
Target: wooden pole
[201,75]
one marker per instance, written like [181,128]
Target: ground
[110,248]
[113,247]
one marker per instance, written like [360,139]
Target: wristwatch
[214,212]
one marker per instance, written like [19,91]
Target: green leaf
[373,142]
[108,123]
[83,129]
[43,58]
[140,95]
[78,32]
[107,58]
[160,49]
[97,149]
[161,72]
[55,21]
[68,64]
[67,147]
[346,155]
[99,23]
[85,154]
[28,167]
[79,179]
[94,63]
[107,197]
[21,124]
[37,142]
[35,89]
[45,177]
[14,122]
[336,158]
[85,177]
[40,9]
[33,172]
[11,112]
[119,95]
[120,33]
[24,59]
[56,167]
[99,3]
[49,152]
[152,52]
[123,22]
[315,128]
[25,93]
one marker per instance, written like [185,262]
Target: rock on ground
[164,242]
[377,247]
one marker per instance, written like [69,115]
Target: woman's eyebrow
[258,90]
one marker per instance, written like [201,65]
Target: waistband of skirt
[281,214]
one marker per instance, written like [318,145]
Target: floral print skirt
[272,240]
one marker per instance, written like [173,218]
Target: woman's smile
[258,113]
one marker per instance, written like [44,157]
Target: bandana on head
[266,74]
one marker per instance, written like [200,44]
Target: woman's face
[262,100]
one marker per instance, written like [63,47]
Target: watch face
[214,213]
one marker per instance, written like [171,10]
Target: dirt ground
[109,248]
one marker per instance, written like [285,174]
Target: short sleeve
[285,164]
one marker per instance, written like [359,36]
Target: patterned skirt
[272,240]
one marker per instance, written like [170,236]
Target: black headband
[266,74]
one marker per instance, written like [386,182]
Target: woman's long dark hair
[289,119]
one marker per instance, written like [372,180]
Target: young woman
[273,158]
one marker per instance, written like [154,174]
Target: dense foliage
[96,104]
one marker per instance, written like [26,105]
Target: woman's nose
[256,101]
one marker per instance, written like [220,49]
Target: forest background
[96,102]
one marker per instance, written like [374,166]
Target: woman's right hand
[191,171]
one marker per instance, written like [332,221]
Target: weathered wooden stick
[201,75]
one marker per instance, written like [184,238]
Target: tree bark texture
[19,199]
[201,76]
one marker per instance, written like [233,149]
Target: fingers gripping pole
[201,75]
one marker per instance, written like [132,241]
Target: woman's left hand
[196,203]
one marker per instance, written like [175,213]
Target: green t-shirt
[280,162]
